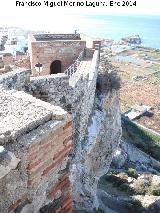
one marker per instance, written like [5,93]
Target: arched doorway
[55,67]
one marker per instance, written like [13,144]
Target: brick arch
[56,67]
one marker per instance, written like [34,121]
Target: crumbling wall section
[51,88]
[35,148]
[38,177]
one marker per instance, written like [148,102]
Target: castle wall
[51,88]
[35,144]
[47,52]
[83,98]
[41,173]
[36,176]
[76,95]
[16,79]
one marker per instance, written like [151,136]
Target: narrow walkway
[82,71]
[84,66]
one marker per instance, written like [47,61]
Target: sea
[119,26]
[104,26]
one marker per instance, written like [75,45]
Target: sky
[44,17]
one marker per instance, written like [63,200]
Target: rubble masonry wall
[34,156]
[37,178]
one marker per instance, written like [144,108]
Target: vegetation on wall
[108,78]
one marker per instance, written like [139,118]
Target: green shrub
[114,81]
[108,81]
[132,173]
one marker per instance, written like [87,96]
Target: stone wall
[94,157]
[35,145]
[51,88]
[46,52]
[16,79]
[38,176]
[76,95]
[55,157]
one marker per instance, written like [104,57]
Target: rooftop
[51,37]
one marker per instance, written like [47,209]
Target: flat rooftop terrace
[51,37]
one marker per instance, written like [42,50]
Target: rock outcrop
[132,40]
[94,156]
[94,159]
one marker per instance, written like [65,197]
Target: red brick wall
[8,59]
[42,158]
[47,52]
[48,154]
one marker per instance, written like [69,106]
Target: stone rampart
[37,138]
[75,94]
[35,144]
[51,88]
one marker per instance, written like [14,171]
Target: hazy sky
[44,17]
